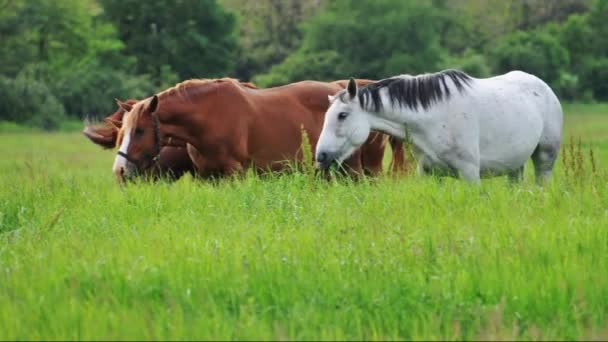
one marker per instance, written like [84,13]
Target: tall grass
[288,257]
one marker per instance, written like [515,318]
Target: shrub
[365,39]
[595,76]
[535,52]
[322,65]
[89,89]
[25,100]
[471,62]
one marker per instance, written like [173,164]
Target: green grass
[287,258]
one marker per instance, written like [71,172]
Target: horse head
[345,127]
[139,139]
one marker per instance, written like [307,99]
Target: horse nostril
[122,171]
[321,157]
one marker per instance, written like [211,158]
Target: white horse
[458,125]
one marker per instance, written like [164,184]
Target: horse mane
[187,89]
[130,119]
[412,91]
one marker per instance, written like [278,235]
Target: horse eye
[139,131]
[342,116]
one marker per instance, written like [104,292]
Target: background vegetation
[69,59]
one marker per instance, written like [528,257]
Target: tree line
[69,59]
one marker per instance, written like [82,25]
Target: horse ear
[153,104]
[352,88]
[124,106]
[116,123]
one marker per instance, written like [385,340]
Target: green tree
[27,101]
[43,31]
[193,38]
[366,39]
[64,58]
[269,31]
[536,52]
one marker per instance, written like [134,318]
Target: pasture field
[293,258]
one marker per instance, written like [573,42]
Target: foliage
[89,89]
[471,62]
[83,54]
[322,66]
[269,31]
[24,100]
[596,75]
[535,52]
[365,39]
[70,55]
[194,39]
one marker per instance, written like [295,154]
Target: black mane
[412,91]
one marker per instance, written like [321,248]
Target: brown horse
[232,127]
[173,162]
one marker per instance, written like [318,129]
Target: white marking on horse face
[340,137]
[120,163]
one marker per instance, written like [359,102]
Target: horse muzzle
[326,159]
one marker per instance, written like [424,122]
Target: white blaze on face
[120,163]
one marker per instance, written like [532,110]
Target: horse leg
[398,161]
[468,171]
[463,164]
[372,154]
[517,175]
[543,158]
[197,160]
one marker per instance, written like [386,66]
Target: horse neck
[176,116]
[396,119]
[185,118]
[391,119]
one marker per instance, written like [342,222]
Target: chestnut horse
[174,160]
[233,127]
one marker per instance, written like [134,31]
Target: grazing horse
[458,125]
[232,127]
[173,162]
[174,159]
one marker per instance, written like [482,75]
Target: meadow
[291,257]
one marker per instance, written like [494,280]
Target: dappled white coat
[492,127]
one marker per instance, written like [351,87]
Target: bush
[535,52]
[470,62]
[574,35]
[303,66]
[596,76]
[27,101]
[365,39]
[568,86]
[90,89]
